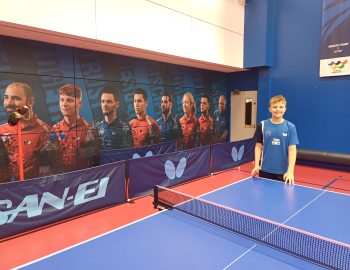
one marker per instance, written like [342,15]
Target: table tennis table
[171,239]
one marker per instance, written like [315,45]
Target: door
[243,114]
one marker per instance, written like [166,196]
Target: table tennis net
[316,249]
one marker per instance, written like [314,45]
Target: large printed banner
[167,170]
[335,38]
[229,155]
[82,102]
[108,156]
[37,202]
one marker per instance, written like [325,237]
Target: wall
[209,32]
[318,106]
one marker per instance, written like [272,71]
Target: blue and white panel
[167,170]
[34,203]
[229,155]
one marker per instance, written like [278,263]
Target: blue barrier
[41,201]
[167,170]
[228,155]
[37,202]
[108,156]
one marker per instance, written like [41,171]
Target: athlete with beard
[168,125]
[35,134]
[220,117]
[114,133]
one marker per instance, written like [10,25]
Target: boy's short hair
[276,99]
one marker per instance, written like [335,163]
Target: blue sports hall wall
[290,66]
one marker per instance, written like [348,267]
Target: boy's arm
[259,138]
[257,157]
[292,157]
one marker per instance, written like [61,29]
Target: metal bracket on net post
[155,197]
[156,203]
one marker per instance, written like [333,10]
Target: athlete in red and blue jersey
[144,129]
[79,142]
[206,123]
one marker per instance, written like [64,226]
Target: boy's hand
[288,178]
[255,171]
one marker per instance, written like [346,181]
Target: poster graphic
[335,38]
[82,102]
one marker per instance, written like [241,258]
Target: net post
[155,197]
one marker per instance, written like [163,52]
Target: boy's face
[278,109]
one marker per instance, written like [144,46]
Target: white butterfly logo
[172,172]
[237,155]
[136,155]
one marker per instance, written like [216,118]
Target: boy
[276,140]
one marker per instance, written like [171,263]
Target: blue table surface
[173,240]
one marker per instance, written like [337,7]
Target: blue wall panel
[258,33]
[318,106]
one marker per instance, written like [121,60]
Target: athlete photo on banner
[335,41]
[168,122]
[35,135]
[145,130]
[113,130]
[79,144]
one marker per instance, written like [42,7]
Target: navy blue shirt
[220,124]
[169,129]
[114,135]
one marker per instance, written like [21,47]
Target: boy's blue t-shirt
[275,139]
